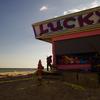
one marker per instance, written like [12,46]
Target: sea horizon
[16,69]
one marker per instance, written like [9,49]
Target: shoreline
[15,73]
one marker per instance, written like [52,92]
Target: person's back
[40,71]
[40,65]
[49,61]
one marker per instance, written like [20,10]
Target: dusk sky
[18,46]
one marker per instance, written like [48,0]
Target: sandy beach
[25,87]
[15,73]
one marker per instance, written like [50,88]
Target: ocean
[2,70]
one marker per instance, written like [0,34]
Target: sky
[18,46]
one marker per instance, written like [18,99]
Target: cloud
[71,11]
[43,8]
[93,4]
[65,12]
[55,16]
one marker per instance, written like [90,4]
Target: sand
[26,87]
[15,73]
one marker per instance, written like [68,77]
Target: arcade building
[75,39]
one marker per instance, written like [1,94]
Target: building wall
[78,45]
